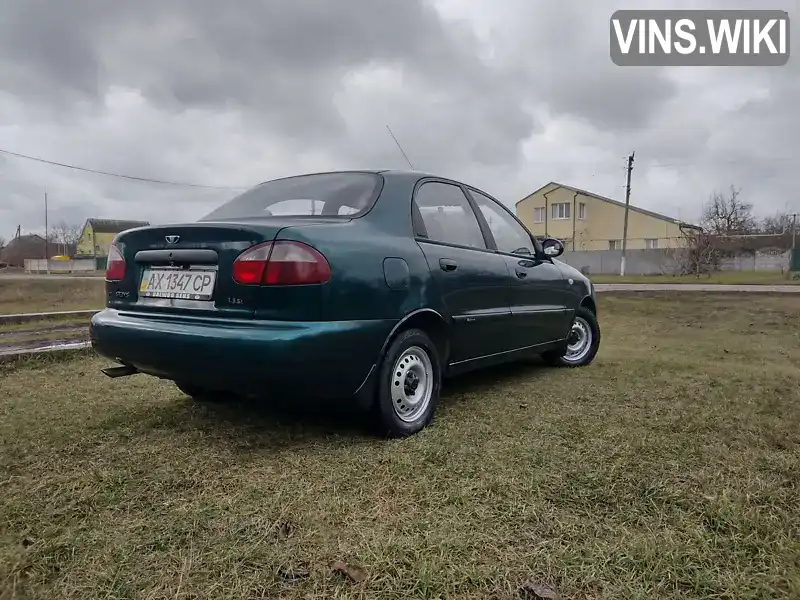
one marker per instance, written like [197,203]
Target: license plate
[182,285]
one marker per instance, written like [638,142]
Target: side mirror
[553,247]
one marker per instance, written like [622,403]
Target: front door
[538,306]
[472,279]
[538,293]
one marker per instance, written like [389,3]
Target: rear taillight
[281,263]
[115,268]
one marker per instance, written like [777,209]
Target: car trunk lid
[186,269]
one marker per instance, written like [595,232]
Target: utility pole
[627,206]
[46,233]
[793,259]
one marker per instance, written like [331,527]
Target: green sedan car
[371,286]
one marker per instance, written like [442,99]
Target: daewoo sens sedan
[371,286]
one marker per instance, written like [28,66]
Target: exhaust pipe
[121,371]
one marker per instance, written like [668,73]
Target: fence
[77,265]
[655,262]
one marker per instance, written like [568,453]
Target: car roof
[391,173]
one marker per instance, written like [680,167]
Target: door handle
[448,264]
[522,274]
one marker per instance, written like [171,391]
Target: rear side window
[321,194]
[448,216]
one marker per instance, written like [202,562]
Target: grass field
[8,329]
[42,295]
[52,333]
[725,277]
[28,334]
[670,468]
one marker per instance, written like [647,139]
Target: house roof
[28,237]
[114,225]
[610,201]
[22,247]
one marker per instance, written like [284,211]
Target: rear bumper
[331,359]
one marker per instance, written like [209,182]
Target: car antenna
[400,147]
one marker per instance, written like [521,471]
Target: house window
[615,244]
[581,210]
[561,211]
[538,215]
[651,244]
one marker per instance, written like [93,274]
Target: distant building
[587,221]
[62,248]
[97,235]
[24,246]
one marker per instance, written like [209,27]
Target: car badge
[172,239]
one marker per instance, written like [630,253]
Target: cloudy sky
[506,95]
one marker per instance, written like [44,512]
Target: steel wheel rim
[411,384]
[579,341]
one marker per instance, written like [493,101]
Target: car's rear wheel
[408,384]
[583,342]
[201,394]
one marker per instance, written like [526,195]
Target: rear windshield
[322,194]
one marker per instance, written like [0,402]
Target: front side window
[448,216]
[322,194]
[509,235]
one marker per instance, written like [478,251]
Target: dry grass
[66,332]
[725,277]
[42,295]
[668,469]
[40,332]
[45,324]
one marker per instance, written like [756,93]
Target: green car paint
[326,340]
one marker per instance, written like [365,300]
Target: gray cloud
[506,96]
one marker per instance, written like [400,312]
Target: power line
[120,175]
[238,188]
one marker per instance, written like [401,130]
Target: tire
[201,394]
[411,362]
[581,352]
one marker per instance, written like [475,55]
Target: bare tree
[727,214]
[725,217]
[64,235]
[776,224]
[2,242]
[700,254]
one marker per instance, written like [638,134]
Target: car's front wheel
[583,341]
[408,385]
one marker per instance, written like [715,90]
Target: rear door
[472,279]
[538,292]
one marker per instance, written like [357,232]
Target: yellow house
[97,235]
[587,221]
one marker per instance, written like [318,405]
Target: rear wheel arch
[429,321]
